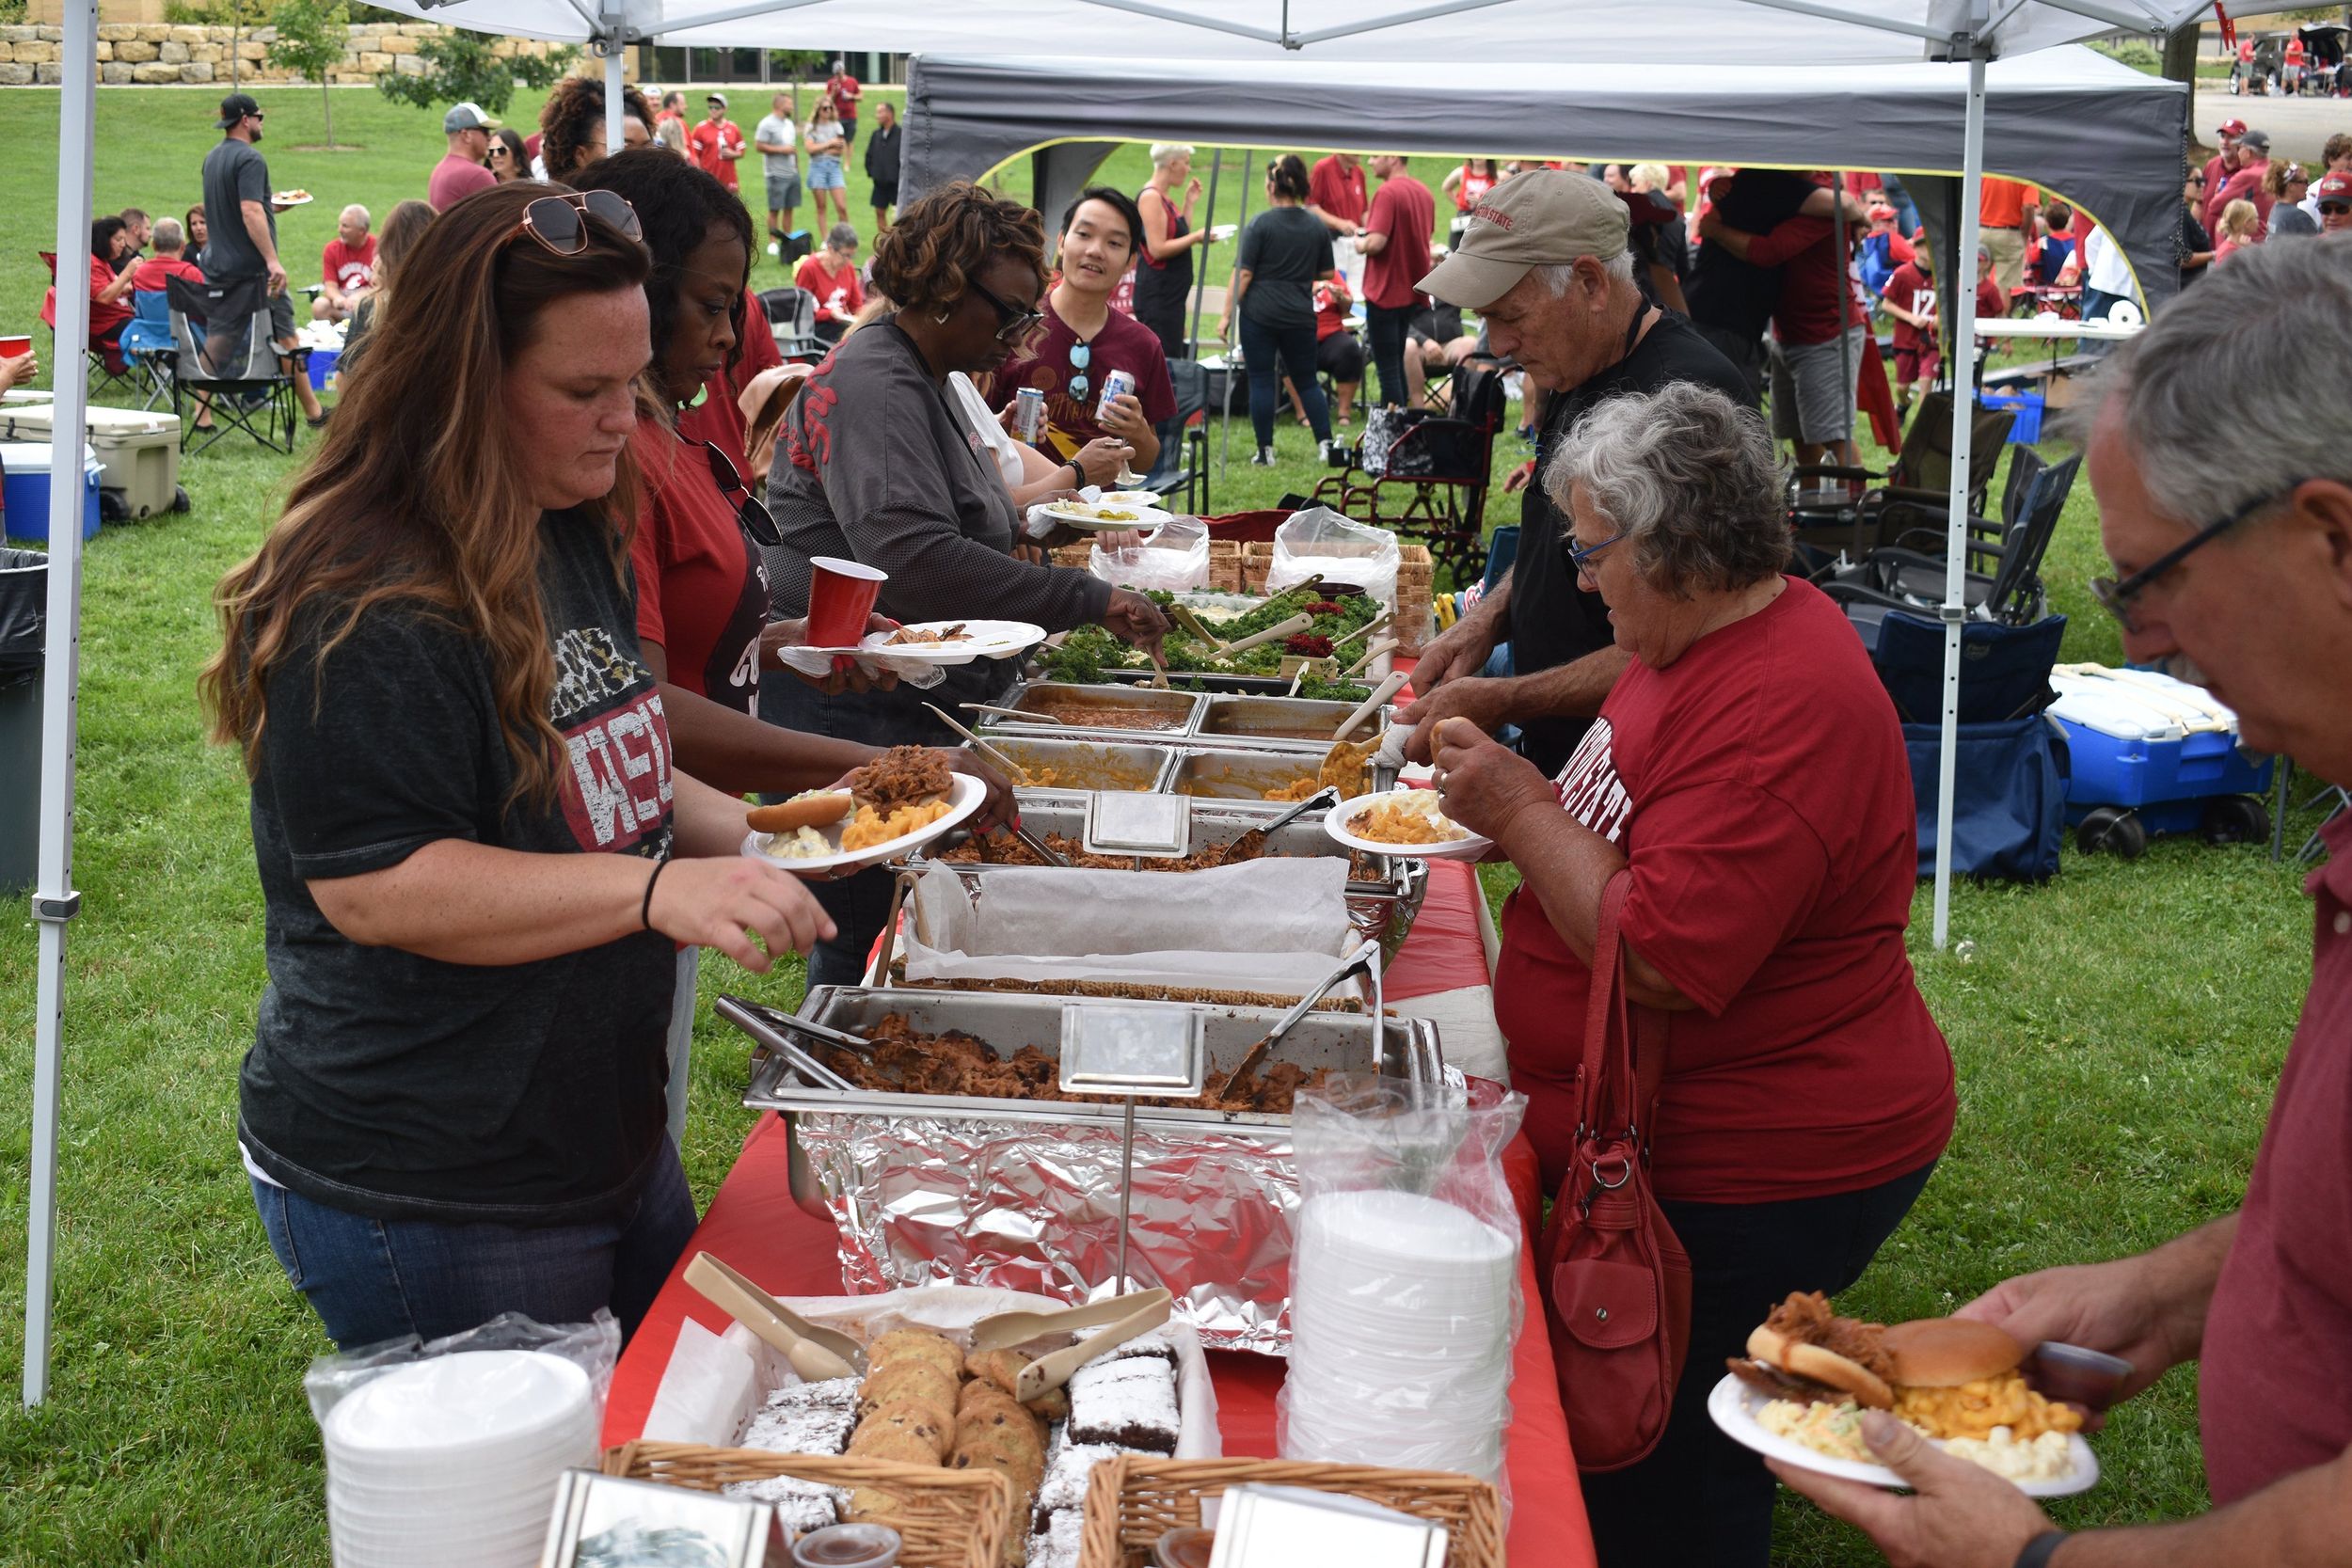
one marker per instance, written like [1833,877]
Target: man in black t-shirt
[241,219]
[1544,262]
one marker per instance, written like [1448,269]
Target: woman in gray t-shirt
[1284,253]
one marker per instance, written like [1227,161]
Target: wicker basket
[1257,559]
[1135,1498]
[1224,565]
[1414,581]
[946,1518]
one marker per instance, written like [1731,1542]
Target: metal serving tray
[1084,767]
[1239,777]
[1410,1049]
[1291,723]
[1175,712]
[1383,894]
[1256,686]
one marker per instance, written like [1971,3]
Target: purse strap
[1625,1045]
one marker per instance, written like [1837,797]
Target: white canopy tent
[1598,33]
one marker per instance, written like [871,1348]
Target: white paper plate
[1131,497]
[1335,823]
[1734,1404]
[981,639]
[1146,517]
[278,198]
[964,796]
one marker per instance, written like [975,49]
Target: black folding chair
[1183,462]
[2010,593]
[221,346]
[1915,493]
[792,315]
[1444,466]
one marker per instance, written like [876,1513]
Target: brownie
[1066,1477]
[805,1418]
[1056,1545]
[1128,1403]
[1154,1344]
[802,1505]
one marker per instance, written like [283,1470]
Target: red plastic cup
[841,595]
[15,347]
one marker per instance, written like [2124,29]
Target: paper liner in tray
[715,1381]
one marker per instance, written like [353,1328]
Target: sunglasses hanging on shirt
[755,516]
[1081,355]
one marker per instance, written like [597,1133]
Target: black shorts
[886,196]
[1341,356]
[1439,324]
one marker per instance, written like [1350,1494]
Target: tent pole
[54,900]
[1201,263]
[612,46]
[1225,447]
[1961,289]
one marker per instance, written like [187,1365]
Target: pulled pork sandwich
[1956,1381]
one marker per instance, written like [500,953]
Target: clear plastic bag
[1406,1305]
[1322,543]
[1174,557]
[594,1347]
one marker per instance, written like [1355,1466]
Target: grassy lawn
[2119,1031]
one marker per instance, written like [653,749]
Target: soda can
[1116,384]
[1029,414]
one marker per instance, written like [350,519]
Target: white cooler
[138,454]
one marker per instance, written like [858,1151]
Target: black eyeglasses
[2116,595]
[560,222]
[1012,321]
[754,515]
[2335,207]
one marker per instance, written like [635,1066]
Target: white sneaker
[1262,458]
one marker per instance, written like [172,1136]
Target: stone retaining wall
[156,53]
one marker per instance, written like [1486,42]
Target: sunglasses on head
[1012,321]
[560,222]
[754,515]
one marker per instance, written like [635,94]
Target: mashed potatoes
[800,844]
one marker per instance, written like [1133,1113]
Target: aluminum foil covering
[924,1200]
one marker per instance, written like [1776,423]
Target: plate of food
[900,802]
[1105,513]
[289,198]
[1809,1375]
[1403,821]
[1144,499]
[954,641]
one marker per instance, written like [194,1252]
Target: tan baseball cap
[1544,217]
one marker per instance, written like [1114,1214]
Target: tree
[800,62]
[311,43]
[459,68]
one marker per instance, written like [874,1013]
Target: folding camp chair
[146,346]
[1183,462]
[103,365]
[1915,493]
[1446,464]
[233,360]
[2010,593]
[792,314]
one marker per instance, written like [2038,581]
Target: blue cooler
[2151,754]
[24,474]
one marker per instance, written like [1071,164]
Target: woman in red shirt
[1468,185]
[831,275]
[108,314]
[1749,770]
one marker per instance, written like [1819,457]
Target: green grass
[2119,1032]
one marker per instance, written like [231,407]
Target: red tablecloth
[754,1225]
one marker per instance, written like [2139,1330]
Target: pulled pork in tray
[956,1063]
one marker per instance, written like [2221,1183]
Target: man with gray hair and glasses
[2237,576]
[1545,261]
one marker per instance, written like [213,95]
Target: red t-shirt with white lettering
[839,297]
[1911,289]
[1758,787]
[348,267]
[2274,1377]
[1338,191]
[702,583]
[708,142]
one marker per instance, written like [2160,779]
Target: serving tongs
[996,757]
[1021,713]
[1250,845]
[769,1027]
[1362,961]
[1389,685]
[1380,647]
[1037,847]
[816,1353]
[1136,1314]
[1003,1330]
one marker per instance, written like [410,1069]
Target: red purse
[1617,1283]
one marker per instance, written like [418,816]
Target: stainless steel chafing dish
[928,1189]
[1292,723]
[1245,722]
[1383,894]
[1084,766]
[1171,713]
[1239,777]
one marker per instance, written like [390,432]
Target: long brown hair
[415,497]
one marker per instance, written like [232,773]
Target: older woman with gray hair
[1163,251]
[1748,770]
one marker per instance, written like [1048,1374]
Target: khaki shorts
[2007,246]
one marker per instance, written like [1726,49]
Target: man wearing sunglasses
[2241,574]
[2334,196]
[241,227]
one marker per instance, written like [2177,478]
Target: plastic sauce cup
[2072,1375]
[1184,1548]
[847,1546]
[841,595]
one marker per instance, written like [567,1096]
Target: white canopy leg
[614,48]
[54,900]
[1961,289]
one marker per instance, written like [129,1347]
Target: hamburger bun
[1825,1366]
[816,809]
[1945,1353]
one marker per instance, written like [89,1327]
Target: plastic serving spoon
[1052,1369]
[1001,1329]
[816,1353]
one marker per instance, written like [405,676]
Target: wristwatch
[2039,1551]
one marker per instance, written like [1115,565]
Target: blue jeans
[1387,328]
[1272,353]
[859,905]
[2096,303]
[373,1280]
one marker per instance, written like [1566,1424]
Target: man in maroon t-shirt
[465,168]
[1335,193]
[2241,571]
[1395,238]
[2245,184]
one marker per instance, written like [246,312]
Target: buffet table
[753,1224]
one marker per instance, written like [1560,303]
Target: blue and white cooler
[25,489]
[2151,755]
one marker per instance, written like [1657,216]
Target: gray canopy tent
[2069,120]
[1587,39]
